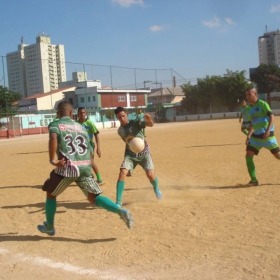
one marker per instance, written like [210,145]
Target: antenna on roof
[266,28]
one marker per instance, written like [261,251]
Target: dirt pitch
[206,227]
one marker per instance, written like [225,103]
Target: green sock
[50,211]
[106,203]
[120,189]
[251,168]
[155,183]
[99,177]
[245,131]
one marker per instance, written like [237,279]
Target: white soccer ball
[136,145]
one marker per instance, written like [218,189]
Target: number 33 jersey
[74,146]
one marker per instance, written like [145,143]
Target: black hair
[118,110]
[80,109]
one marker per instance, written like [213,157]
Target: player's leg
[148,165]
[92,191]
[272,145]
[252,149]
[54,186]
[96,171]
[126,168]
[244,128]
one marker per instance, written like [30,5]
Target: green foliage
[261,77]
[215,90]
[7,98]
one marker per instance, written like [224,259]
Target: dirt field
[206,227]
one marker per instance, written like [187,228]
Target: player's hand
[247,140]
[266,134]
[98,151]
[59,162]
[148,117]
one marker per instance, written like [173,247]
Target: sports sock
[245,131]
[106,203]
[99,177]
[155,184]
[251,168]
[120,189]
[50,211]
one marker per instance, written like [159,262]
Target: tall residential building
[269,47]
[36,68]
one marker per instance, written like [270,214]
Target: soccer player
[127,131]
[244,115]
[260,132]
[72,145]
[92,131]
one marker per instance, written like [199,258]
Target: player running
[91,129]
[72,145]
[262,130]
[126,131]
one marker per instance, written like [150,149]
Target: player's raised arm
[149,120]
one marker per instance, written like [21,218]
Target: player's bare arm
[250,132]
[267,132]
[52,151]
[97,141]
[149,120]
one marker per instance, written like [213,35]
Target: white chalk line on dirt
[39,261]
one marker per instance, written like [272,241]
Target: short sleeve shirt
[90,127]
[131,130]
[74,146]
[259,116]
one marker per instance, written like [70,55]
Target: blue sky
[194,37]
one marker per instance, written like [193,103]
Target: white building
[36,68]
[269,48]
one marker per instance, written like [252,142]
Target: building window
[88,99]
[133,98]
[82,100]
[121,98]
[93,98]
[71,101]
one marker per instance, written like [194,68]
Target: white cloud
[230,21]
[274,9]
[212,23]
[128,3]
[157,28]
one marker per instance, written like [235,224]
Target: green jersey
[90,127]
[244,113]
[131,130]
[259,116]
[74,146]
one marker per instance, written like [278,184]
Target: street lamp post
[158,83]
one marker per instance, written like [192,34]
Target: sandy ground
[206,227]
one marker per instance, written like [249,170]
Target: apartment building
[269,47]
[36,68]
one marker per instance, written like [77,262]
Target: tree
[7,98]
[265,77]
[190,100]
[231,88]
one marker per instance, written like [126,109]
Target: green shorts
[245,125]
[57,184]
[255,144]
[129,162]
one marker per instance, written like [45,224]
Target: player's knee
[277,156]
[92,197]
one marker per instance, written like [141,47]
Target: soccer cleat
[158,193]
[43,228]
[127,217]
[251,183]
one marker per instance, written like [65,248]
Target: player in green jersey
[92,131]
[244,117]
[260,132]
[126,131]
[73,147]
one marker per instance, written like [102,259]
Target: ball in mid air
[136,145]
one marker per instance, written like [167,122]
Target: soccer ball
[136,145]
